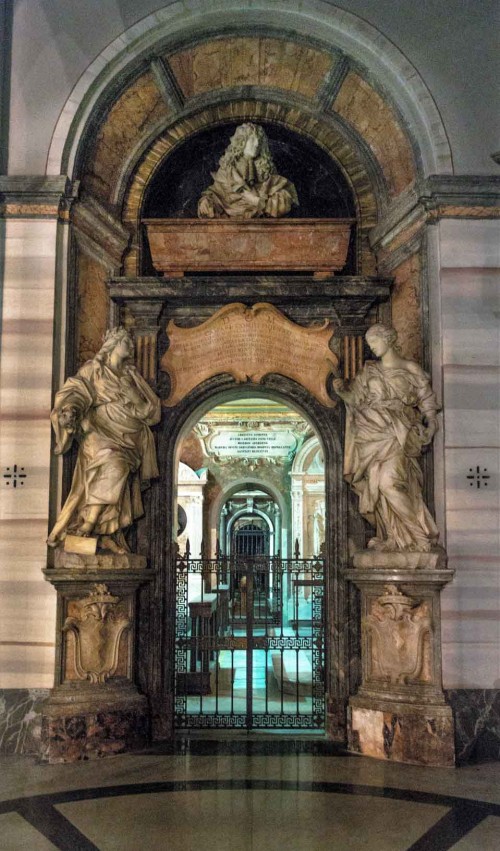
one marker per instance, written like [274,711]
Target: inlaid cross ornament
[478,477]
[14,476]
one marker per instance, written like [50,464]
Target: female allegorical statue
[108,408]
[246,184]
[391,416]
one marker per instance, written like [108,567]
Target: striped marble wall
[470,345]
[27,602]
[469,296]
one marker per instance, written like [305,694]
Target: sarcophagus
[255,245]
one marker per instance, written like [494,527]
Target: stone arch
[237,484]
[304,455]
[334,27]
[244,513]
[178,421]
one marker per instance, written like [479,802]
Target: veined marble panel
[477,727]
[471,402]
[470,305]
[467,243]
[20,724]
[27,604]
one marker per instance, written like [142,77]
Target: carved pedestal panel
[400,712]
[95,708]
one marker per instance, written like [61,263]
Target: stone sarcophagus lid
[251,245]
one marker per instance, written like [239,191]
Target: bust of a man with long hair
[246,184]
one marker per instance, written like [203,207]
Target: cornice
[437,197]
[36,196]
[99,234]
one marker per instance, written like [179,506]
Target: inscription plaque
[249,343]
[252,444]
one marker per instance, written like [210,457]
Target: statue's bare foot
[388,546]
[84,530]
[119,539]
[420,547]
[108,543]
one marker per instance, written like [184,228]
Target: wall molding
[437,197]
[36,196]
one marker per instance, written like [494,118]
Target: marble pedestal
[400,712]
[95,708]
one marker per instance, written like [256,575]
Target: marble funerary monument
[105,591]
[248,250]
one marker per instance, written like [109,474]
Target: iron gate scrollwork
[249,650]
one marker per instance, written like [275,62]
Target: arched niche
[177,184]
[321,23]
[236,487]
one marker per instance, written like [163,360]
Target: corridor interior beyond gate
[250,572]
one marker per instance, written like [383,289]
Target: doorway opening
[250,646]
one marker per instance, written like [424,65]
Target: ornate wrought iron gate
[249,647]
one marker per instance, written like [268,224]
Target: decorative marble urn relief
[398,632]
[96,629]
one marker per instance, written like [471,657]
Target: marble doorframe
[157,664]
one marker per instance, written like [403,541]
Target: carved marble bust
[246,184]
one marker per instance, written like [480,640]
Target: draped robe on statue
[117,451]
[238,192]
[384,436]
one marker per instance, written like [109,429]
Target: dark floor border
[39,810]
[271,745]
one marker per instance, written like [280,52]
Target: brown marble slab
[249,343]
[217,245]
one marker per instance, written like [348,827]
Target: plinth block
[422,735]
[89,722]
[95,708]
[435,559]
[98,561]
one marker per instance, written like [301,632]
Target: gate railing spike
[297,549]
[187,551]
[217,549]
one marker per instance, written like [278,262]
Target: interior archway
[245,653]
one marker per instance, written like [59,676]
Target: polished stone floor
[245,792]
